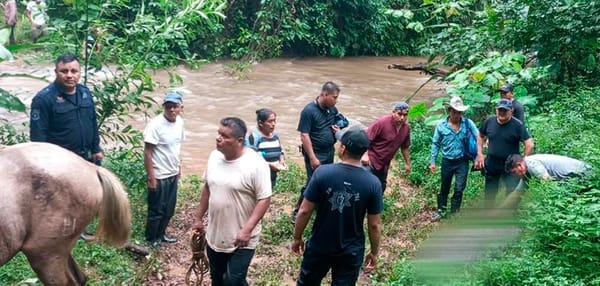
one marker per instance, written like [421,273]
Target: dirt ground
[276,260]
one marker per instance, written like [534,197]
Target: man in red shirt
[388,134]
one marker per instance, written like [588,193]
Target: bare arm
[308,148]
[374,227]
[202,208]
[528,147]
[479,161]
[406,156]
[151,178]
[302,218]
[244,235]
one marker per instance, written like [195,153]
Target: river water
[368,90]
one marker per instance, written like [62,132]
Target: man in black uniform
[63,113]
[317,132]
[504,133]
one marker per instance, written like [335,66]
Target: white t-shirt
[235,188]
[38,12]
[167,136]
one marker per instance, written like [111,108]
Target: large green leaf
[10,101]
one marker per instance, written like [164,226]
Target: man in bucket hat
[449,137]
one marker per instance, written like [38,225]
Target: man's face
[68,75]
[227,143]
[503,115]
[330,99]
[519,170]
[400,116]
[455,116]
[172,110]
[506,94]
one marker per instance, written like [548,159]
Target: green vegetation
[550,50]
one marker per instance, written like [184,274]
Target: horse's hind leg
[55,269]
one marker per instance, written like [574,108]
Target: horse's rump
[49,195]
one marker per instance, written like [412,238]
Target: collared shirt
[386,139]
[450,141]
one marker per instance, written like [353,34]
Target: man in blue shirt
[449,135]
[343,194]
[63,113]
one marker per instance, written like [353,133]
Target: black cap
[507,87]
[356,141]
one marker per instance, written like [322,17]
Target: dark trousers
[229,269]
[161,207]
[344,268]
[492,182]
[324,158]
[459,169]
[11,38]
[381,175]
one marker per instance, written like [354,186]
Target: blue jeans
[344,267]
[459,169]
[229,269]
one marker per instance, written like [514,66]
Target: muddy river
[368,90]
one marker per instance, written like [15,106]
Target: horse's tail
[114,217]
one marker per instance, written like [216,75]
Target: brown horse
[48,195]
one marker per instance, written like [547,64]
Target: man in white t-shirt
[162,144]
[236,195]
[36,13]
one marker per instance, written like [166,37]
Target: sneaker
[168,239]
[437,216]
[156,245]
[87,237]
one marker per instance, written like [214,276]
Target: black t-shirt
[518,111]
[317,122]
[344,194]
[503,141]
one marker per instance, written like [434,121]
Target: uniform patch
[60,99]
[35,114]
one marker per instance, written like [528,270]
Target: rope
[199,264]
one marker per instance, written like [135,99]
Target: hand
[152,184]
[479,162]
[298,246]
[335,128]
[432,168]
[364,160]
[370,262]
[407,168]
[198,226]
[97,157]
[242,238]
[315,163]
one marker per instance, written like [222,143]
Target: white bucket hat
[457,104]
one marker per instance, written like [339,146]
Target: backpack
[469,142]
